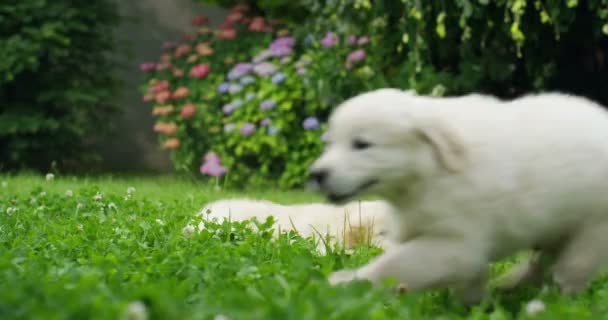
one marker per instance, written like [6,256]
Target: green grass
[74,257]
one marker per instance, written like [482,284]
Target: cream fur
[349,225]
[474,179]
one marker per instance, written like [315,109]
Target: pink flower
[147,66]
[188,110]
[160,86]
[169,45]
[162,96]
[212,166]
[330,40]
[178,73]
[165,128]
[204,49]
[172,143]
[182,50]
[180,93]
[163,66]
[198,20]
[227,34]
[363,40]
[199,71]
[355,56]
[257,24]
[234,16]
[162,110]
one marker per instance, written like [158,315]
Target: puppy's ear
[449,150]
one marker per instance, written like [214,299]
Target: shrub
[266,123]
[56,80]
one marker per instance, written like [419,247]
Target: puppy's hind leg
[581,259]
[426,263]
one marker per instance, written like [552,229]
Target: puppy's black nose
[318,175]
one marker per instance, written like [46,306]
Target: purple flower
[265,69]
[240,70]
[265,122]
[247,80]
[282,47]
[281,51]
[229,127]
[355,56]
[352,40]
[363,41]
[301,71]
[147,66]
[247,129]
[273,130]
[262,56]
[213,166]
[283,42]
[223,88]
[228,108]
[310,123]
[234,88]
[278,78]
[330,40]
[267,104]
[249,96]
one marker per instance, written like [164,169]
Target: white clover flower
[11,210]
[79,206]
[43,194]
[188,231]
[50,177]
[4,184]
[135,311]
[160,222]
[97,197]
[130,190]
[221,317]
[535,307]
[112,206]
[33,201]
[127,197]
[69,193]
[80,227]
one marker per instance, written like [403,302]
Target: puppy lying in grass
[473,180]
[356,223]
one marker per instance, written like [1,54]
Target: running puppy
[472,180]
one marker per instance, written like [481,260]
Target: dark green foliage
[56,80]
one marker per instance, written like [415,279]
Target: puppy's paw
[342,276]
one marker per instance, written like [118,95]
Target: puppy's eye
[359,144]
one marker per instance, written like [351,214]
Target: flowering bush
[230,103]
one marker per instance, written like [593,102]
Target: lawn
[96,248]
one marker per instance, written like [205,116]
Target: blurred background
[240,90]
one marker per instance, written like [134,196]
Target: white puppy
[359,222]
[472,180]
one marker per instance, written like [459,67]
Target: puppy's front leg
[425,263]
